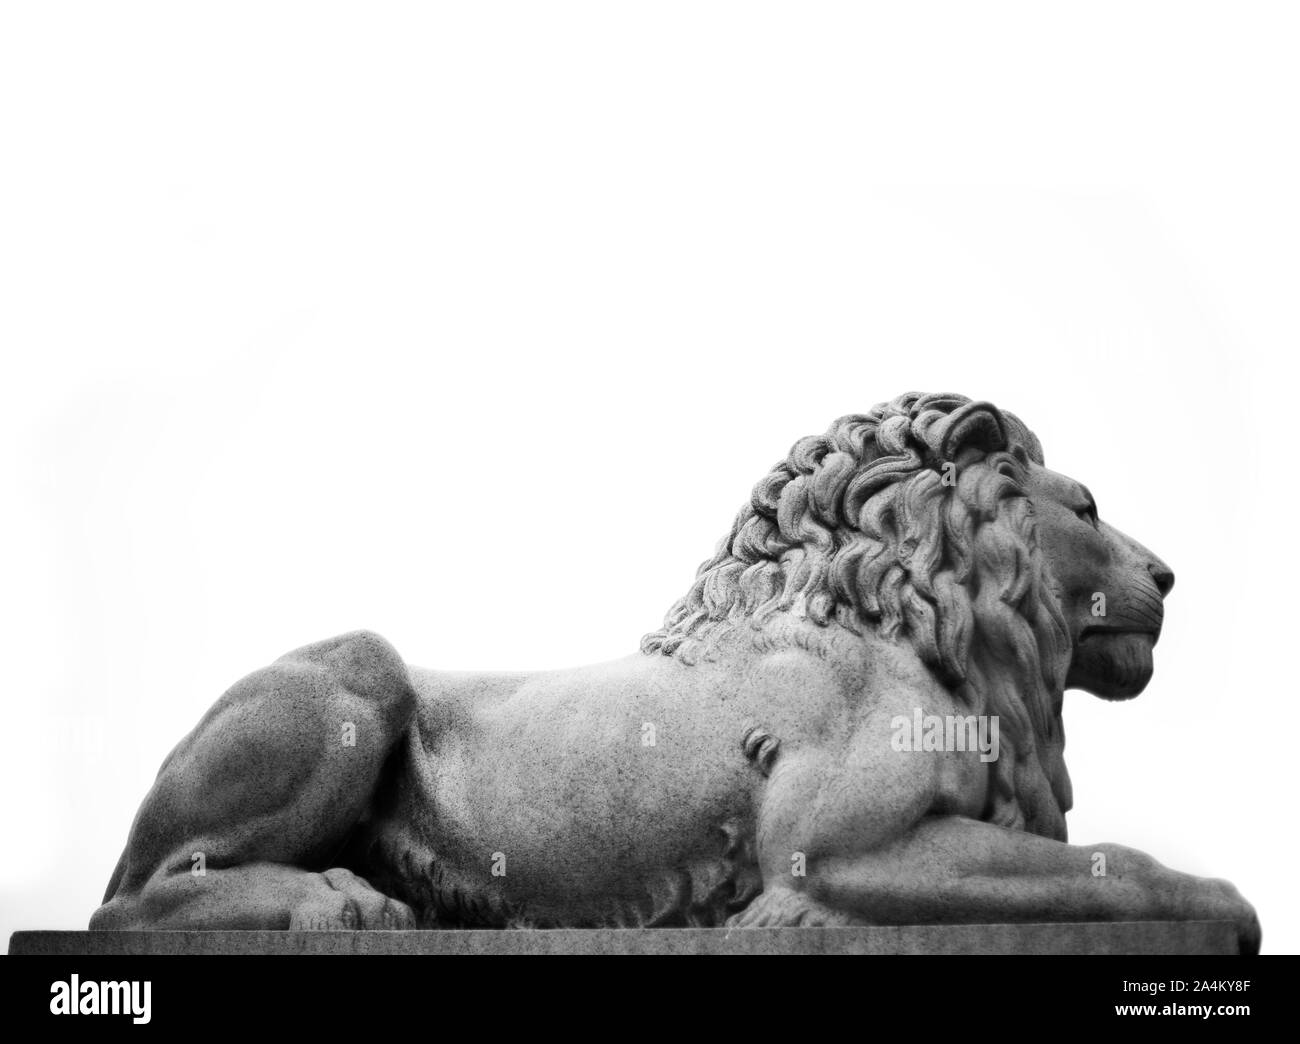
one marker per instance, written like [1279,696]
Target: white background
[474,325]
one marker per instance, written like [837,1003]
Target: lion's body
[546,776]
[622,793]
[915,562]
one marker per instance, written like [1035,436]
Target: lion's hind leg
[242,826]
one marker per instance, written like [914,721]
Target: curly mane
[912,519]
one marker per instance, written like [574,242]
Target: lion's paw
[785,908]
[346,901]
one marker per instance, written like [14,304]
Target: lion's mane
[912,519]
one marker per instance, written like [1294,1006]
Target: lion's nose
[1163,576]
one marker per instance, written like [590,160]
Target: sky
[475,324]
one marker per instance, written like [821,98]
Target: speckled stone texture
[852,717]
[1124,937]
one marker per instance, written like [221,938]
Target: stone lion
[916,563]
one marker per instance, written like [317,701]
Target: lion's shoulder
[820,687]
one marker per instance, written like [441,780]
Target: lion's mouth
[1094,629]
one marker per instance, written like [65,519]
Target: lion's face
[1113,635]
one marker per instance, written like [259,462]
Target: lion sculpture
[744,768]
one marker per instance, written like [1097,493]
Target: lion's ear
[978,424]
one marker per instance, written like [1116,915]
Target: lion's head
[933,520]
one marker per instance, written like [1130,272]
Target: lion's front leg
[951,869]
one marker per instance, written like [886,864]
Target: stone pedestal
[1125,937]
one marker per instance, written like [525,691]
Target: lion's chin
[1114,666]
